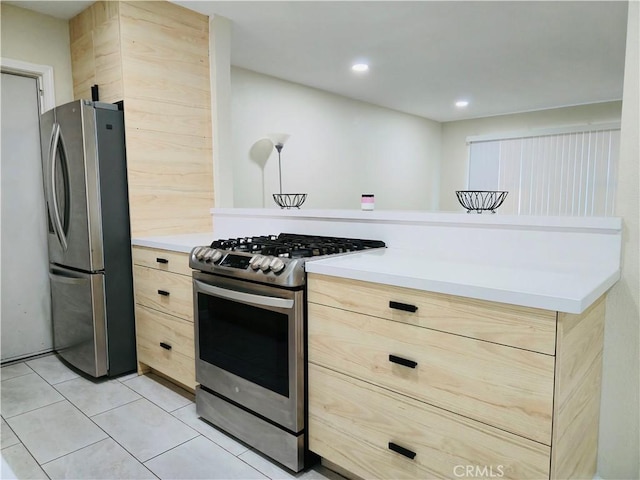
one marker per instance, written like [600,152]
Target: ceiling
[503,57]
[63,9]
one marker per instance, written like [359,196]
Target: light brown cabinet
[164,314]
[412,384]
[154,56]
[521,327]
[167,292]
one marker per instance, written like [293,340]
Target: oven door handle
[261,300]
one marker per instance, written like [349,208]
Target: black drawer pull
[162,260]
[402,451]
[403,361]
[403,306]
[166,346]
[164,293]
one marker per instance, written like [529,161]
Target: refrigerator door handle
[47,177]
[57,223]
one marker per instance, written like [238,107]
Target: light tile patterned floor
[58,424]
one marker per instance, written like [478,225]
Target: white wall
[35,38]
[454,167]
[619,443]
[339,148]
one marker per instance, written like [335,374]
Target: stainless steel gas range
[250,335]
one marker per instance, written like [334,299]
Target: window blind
[570,173]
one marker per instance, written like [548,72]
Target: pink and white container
[368,201]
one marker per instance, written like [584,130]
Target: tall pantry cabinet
[154,56]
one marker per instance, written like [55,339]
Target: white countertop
[563,288]
[422,217]
[554,263]
[176,243]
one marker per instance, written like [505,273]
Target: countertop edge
[175,243]
[559,303]
[434,218]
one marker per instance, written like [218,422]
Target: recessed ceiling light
[462,103]
[360,67]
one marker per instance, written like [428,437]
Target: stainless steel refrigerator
[85,184]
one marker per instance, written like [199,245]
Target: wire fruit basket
[289,200]
[481,200]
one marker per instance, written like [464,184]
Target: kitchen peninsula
[472,341]
[556,263]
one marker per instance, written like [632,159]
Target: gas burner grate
[289,245]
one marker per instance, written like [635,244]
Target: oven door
[250,346]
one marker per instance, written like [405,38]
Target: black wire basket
[481,200]
[289,200]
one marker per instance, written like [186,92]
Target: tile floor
[57,424]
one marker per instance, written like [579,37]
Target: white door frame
[42,73]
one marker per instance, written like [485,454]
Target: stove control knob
[277,265]
[208,254]
[256,261]
[265,264]
[199,253]
[217,256]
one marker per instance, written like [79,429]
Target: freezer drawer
[78,315]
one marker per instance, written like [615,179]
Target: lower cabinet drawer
[166,344]
[502,386]
[163,260]
[359,427]
[164,291]
[516,326]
